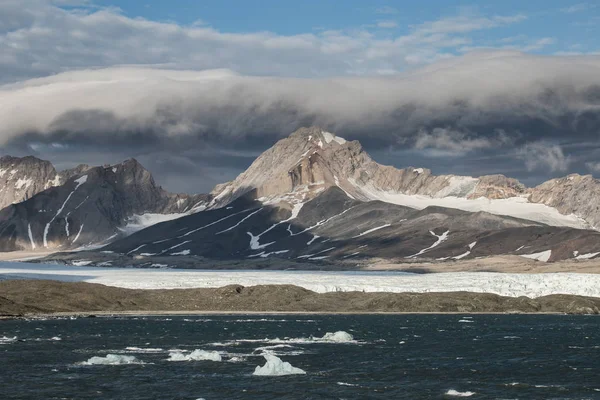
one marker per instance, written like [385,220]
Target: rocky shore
[35,297]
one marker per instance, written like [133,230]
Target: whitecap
[273,350]
[456,393]
[276,367]
[346,384]
[6,339]
[196,355]
[143,350]
[112,359]
[465,320]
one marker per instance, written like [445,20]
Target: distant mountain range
[312,197]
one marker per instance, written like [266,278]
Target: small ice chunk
[339,337]
[456,393]
[112,359]
[196,355]
[276,367]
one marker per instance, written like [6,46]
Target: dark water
[395,357]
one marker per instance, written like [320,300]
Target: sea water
[302,357]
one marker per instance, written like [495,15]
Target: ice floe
[339,337]
[196,355]
[456,393]
[112,359]
[276,367]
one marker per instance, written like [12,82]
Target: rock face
[573,194]
[92,207]
[319,159]
[22,178]
[314,160]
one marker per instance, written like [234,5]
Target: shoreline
[30,298]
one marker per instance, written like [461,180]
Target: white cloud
[544,156]
[174,103]
[386,10]
[579,7]
[387,24]
[38,38]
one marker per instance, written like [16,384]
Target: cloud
[387,24]
[386,10]
[198,104]
[575,8]
[542,155]
[451,143]
[593,166]
[39,38]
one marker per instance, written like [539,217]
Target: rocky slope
[22,178]
[316,197]
[334,227]
[93,206]
[312,197]
[316,159]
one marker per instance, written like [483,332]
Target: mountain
[319,159]
[316,197]
[22,178]
[312,197]
[93,206]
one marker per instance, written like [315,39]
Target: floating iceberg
[196,355]
[456,393]
[338,337]
[276,367]
[112,359]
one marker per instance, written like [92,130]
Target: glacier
[504,284]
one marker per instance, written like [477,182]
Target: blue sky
[570,26]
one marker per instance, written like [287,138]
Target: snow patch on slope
[440,238]
[518,207]
[541,256]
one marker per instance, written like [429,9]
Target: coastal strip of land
[37,297]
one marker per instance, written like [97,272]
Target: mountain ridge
[313,197]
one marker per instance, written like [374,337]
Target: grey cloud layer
[478,105]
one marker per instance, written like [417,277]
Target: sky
[196,90]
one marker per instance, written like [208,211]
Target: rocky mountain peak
[23,177]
